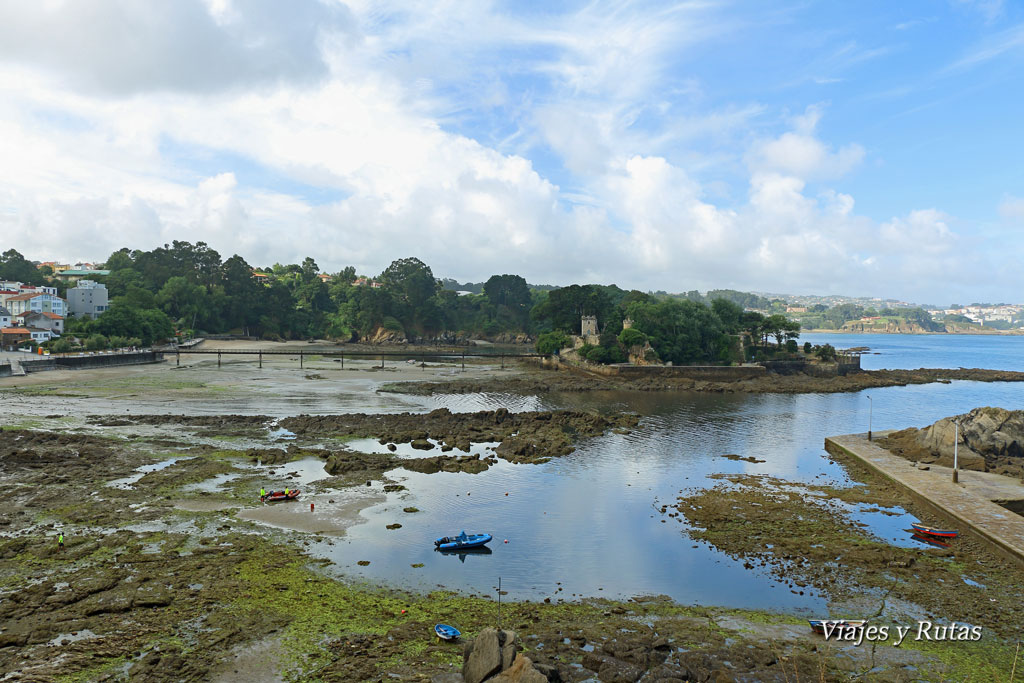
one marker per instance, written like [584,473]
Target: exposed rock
[448,678]
[491,652]
[521,671]
[990,439]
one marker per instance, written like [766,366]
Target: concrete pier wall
[967,506]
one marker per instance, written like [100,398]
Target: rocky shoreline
[531,381]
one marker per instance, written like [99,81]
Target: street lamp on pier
[956,442]
[871,405]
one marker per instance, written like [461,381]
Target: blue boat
[462,541]
[446,632]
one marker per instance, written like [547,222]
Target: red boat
[932,531]
[275,496]
[935,541]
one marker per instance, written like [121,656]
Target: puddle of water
[971,582]
[141,471]
[327,518]
[281,434]
[213,484]
[405,450]
[303,472]
[84,634]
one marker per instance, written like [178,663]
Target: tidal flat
[173,570]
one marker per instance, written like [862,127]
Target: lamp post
[956,442]
[871,405]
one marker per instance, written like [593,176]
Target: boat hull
[276,496]
[446,632]
[457,543]
[932,531]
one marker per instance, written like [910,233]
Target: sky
[861,148]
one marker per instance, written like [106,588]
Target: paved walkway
[967,505]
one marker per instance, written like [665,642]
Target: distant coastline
[986,333]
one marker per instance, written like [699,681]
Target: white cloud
[362,114]
[801,154]
[1012,209]
[188,45]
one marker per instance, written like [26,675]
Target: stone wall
[711,373]
[37,364]
[107,360]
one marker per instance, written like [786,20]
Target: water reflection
[463,553]
[584,523]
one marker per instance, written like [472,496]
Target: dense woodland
[184,289]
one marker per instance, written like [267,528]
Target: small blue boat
[462,541]
[446,632]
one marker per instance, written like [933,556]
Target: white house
[40,335]
[42,321]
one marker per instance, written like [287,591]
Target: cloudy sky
[867,148]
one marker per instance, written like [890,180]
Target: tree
[564,307]
[551,342]
[507,290]
[775,326]
[410,281]
[182,300]
[728,312]
[14,266]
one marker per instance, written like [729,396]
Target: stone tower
[627,323]
[588,326]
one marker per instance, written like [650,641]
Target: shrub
[96,342]
[791,346]
[826,352]
[807,347]
[551,342]
[632,337]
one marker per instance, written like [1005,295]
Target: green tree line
[184,288]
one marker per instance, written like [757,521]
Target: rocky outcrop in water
[990,439]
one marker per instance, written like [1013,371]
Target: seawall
[107,360]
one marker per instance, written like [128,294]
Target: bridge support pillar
[218,359]
[261,359]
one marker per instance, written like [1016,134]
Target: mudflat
[172,569]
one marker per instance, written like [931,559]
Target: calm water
[911,351]
[587,520]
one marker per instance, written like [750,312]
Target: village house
[5,318]
[87,299]
[10,337]
[40,335]
[36,301]
[42,321]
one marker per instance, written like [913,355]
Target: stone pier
[967,506]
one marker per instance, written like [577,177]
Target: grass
[93,673]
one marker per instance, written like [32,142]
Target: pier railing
[303,354]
